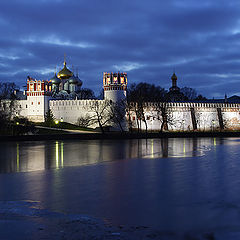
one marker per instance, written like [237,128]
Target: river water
[173,184]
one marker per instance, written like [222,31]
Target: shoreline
[116,136]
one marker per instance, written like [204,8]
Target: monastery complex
[60,95]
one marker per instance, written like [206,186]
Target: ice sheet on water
[28,208]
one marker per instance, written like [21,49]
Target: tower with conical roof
[174,94]
[174,86]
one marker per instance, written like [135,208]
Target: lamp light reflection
[57,154]
[61,154]
[17,157]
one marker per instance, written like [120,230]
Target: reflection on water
[32,156]
[176,184]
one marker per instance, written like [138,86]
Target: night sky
[147,39]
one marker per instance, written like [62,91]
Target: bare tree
[164,114]
[84,121]
[140,95]
[189,93]
[86,93]
[7,106]
[117,113]
[98,114]
[128,110]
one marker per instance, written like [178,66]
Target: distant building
[174,94]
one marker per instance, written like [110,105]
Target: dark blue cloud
[200,40]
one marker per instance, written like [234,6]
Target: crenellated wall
[182,116]
[71,110]
[190,116]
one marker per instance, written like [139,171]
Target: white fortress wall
[71,110]
[231,116]
[21,108]
[181,116]
[17,108]
[181,120]
[206,118]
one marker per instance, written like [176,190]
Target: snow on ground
[28,220]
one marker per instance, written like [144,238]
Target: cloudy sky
[147,39]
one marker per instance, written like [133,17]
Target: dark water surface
[186,184]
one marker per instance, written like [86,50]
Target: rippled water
[171,183]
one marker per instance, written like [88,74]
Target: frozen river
[173,184]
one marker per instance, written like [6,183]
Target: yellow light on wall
[56,122]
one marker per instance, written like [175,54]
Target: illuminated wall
[180,114]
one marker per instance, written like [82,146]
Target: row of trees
[6,106]
[108,113]
[10,124]
[139,94]
[104,114]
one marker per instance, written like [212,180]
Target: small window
[148,118]
[26,106]
[133,118]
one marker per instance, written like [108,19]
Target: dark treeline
[145,92]
[151,93]
[10,124]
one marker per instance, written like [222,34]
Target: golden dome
[65,73]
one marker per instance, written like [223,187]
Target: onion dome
[55,80]
[73,80]
[65,73]
[174,77]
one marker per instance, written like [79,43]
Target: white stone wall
[37,107]
[21,108]
[231,117]
[180,119]
[15,108]
[71,110]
